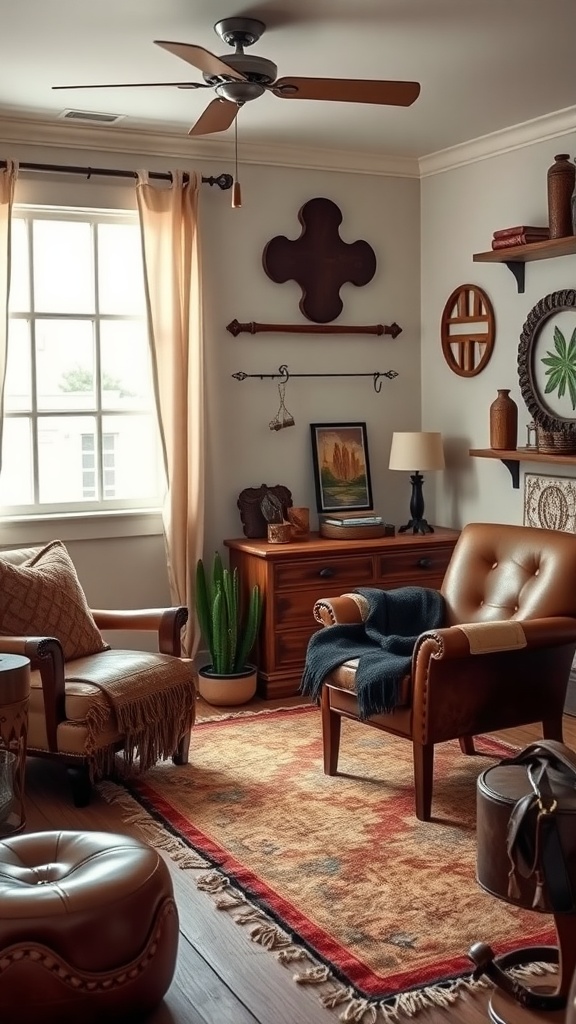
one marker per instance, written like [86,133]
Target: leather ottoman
[88,928]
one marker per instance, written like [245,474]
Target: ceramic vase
[561,179]
[503,422]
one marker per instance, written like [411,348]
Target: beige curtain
[170,243]
[8,177]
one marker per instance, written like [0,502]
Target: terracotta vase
[503,422]
[560,179]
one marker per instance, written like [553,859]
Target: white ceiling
[483,65]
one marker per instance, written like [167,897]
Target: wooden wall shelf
[512,459]
[517,256]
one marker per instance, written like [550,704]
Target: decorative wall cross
[319,260]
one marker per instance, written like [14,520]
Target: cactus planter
[229,631]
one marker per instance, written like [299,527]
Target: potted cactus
[229,633]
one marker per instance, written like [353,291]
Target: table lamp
[414,451]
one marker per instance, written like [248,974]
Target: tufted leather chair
[63,693]
[502,659]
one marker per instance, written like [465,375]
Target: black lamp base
[416,526]
[417,523]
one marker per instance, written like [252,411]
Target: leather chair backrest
[510,572]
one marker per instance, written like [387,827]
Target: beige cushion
[43,597]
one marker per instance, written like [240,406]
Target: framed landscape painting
[341,467]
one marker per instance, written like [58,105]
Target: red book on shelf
[522,229]
[513,240]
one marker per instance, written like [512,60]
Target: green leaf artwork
[561,365]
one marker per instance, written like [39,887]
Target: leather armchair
[502,659]
[66,695]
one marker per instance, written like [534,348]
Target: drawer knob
[424,563]
[326,573]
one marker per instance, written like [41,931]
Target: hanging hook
[377,382]
[283,369]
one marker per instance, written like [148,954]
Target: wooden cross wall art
[468,330]
[319,260]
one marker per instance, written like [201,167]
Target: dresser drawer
[355,571]
[290,648]
[414,567]
[295,607]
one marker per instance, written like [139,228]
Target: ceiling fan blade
[138,85]
[218,116]
[200,58]
[347,90]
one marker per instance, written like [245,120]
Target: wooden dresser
[293,576]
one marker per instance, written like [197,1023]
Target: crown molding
[135,142]
[174,146]
[539,129]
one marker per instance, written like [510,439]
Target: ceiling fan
[242,77]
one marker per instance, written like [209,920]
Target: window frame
[144,515]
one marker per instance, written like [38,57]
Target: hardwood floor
[221,976]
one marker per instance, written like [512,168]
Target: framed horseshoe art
[467,330]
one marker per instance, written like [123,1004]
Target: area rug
[336,875]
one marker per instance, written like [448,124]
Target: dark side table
[14,697]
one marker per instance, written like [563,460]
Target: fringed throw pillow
[43,597]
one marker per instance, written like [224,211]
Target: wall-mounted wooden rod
[223,181]
[253,327]
[286,376]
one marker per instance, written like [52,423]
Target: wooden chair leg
[331,724]
[180,755]
[467,744]
[423,754]
[552,729]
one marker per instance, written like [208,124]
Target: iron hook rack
[285,376]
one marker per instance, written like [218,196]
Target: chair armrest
[167,622]
[332,610]
[453,641]
[46,655]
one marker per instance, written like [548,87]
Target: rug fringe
[263,930]
[253,714]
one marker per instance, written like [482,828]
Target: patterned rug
[335,875]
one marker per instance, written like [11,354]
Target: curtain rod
[223,181]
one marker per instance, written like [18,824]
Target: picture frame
[341,467]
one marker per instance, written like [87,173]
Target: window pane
[120,277]
[125,362]
[18,390]
[65,365]
[60,457]
[137,475]
[19,268]
[63,262]
[16,478]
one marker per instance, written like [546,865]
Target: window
[80,428]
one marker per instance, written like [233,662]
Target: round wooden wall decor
[547,361]
[468,329]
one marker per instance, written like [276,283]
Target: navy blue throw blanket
[384,643]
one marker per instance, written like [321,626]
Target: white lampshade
[416,450]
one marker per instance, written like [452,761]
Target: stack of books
[353,519]
[519,235]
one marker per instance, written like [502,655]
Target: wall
[242,451]
[460,210]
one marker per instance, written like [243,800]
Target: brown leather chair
[73,715]
[502,659]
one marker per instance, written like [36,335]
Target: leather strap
[494,967]
[533,840]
